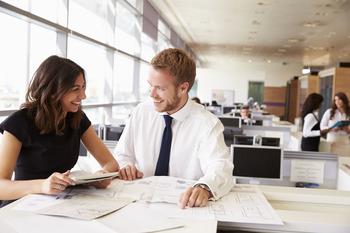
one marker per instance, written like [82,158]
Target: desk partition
[330,161]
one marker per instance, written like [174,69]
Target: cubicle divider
[325,165]
[284,133]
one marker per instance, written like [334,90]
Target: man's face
[166,95]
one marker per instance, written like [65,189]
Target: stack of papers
[83,177]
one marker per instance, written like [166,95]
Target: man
[175,136]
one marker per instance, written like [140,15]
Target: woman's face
[71,101]
[338,102]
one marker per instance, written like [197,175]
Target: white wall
[236,77]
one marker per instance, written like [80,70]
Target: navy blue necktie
[162,168]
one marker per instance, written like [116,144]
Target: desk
[302,210]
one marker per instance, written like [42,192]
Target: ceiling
[311,32]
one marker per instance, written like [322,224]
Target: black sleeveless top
[311,143]
[43,154]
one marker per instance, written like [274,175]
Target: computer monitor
[231,121]
[216,110]
[257,162]
[228,109]
[243,140]
[257,122]
[270,141]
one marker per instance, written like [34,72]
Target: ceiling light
[306,70]
[286,46]
[268,61]
[247,48]
[312,24]
[293,40]
[282,50]
[250,60]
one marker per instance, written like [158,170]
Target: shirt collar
[182,114]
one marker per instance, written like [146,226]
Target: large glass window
[93,18]
[123,78]
[42,45]
[94,60]
[148,47]
[53,10]
[128,30]
[144,86]
[13,60]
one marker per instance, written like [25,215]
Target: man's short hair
[178,63]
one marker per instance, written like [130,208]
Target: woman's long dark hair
[51,81]
[312,103]
[345,100]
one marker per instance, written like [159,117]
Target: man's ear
[184,87]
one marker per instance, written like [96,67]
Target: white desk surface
[302,210]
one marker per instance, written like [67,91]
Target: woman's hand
[56,183]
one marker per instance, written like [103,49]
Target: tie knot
[168,119]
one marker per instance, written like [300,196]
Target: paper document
[70,204]
[86,208]
[147,221]
[153,189]
[306,170]
[83,177]
[240,205]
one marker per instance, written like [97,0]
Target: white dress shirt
[309,122]
[326,122]
[198,150]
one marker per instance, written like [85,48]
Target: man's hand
[194,197]
[130,172]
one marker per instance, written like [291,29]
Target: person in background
[340,111]
[311,123]
[173,136]
[196,99]
[245,112]
[41,141]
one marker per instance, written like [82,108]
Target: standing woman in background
[340,111]
[311,123]
[41,141]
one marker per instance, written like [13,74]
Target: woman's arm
[325,120]
[309,123]
[101,153]
[9,190]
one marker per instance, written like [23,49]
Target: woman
[40,142]
[340,111]
[311,124]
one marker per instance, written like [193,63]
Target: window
[94,60]
[13,60]
[53,10]
[144,85]
[148,47]
[93,18]
[128,31]
[42,45]
[123,78]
